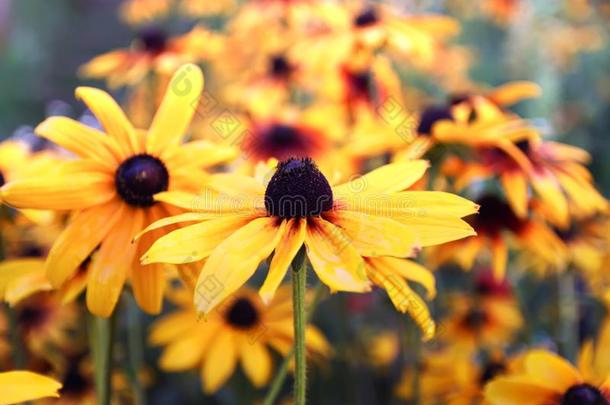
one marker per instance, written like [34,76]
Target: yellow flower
[451,377]
[488,318]
[499,228]
[244,222]
[240,330]
[547,379]
[110,189]
[21,386]
[142,11]
[153,51]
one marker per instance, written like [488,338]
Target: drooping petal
[112,263]
[334,258]
[112,118]
[21,386]
[86,230]
[287,248]
[386,179]
[219,362]
[499,252]
[176,110]
[409,270]
[235,260]
[85,141]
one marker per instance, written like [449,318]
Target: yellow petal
[20,278]
[193,242]
[176,110]
[517,390]
[287,248]
[112,118]
[210,202]
[201,154]
[552,196]
[333,257]
[386,179]
[170,327]
[219,363]
[513,92]
[21,386]
[515,187]
[235,260]
[499,252]
[408,204]
[236,185]
[80,139]
[549,367]
[58,192]
[83,234]
[111,264]
[256,361]
[409,270]
[187,351]
[186,217]
[374,235]
[148,282]
[431,231]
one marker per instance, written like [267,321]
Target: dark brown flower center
[242,314]
[494,216]
[583,394]
[298,189]
[431,116]
[2,180]
[366,18]
[279,67]
[153,39]
[139,178]
[491,370]
[475,318]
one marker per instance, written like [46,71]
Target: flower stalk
[101,338]
[299,284]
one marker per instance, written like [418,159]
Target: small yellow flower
[240,330]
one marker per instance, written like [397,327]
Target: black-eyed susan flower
[498,229]
[452,377]
[153,51]
[489,318]
[144,11]
[241,330]
[242,223]
[548,379]
[19,386]
[110,189]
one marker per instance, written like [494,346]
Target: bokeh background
[564,46]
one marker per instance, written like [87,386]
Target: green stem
[101,336]
[282,372]
[568,315]
[299,287]
[135,342]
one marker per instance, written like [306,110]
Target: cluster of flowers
[307,145]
